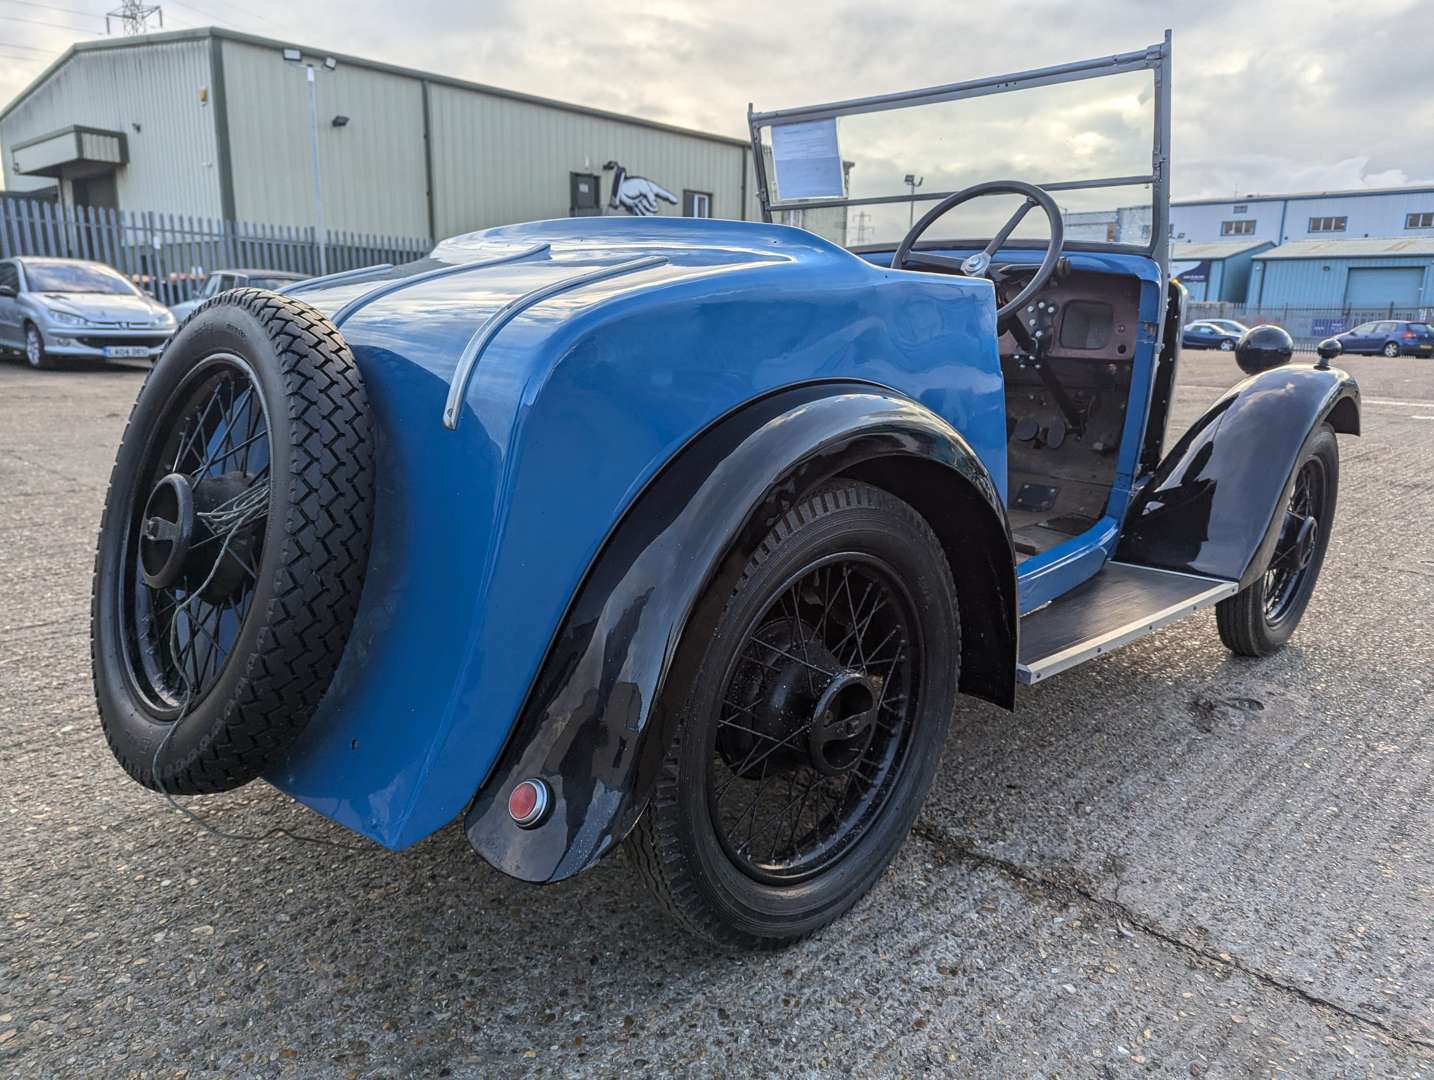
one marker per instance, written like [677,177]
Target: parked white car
[53,308]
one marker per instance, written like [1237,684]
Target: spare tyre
[233,544]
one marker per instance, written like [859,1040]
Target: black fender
[597,721]
[1213,505]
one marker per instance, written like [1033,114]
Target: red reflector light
[1409,335]
[528,803]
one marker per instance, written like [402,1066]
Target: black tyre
[34,351]
[1226,345]
[1391,349]
[1260,618]
[233,545]
[811,733]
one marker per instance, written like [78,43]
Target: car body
[592,437]
[77,309]
[1389,337]
[220,280]
[1210,334]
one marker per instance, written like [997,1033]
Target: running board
[1120,604]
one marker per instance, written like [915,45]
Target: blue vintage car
[684,535]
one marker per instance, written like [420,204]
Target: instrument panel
[1082,315]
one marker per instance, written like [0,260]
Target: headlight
[65,318]
[164,318]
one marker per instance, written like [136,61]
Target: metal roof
[1216,249]
[209,32]
[1418,189]
[1363,248]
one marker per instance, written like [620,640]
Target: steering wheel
[979,264]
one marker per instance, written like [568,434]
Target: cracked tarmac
[1168,862]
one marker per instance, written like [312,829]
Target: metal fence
[1307,325]
[170,255]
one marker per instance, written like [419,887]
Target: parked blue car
[684,534]
[1212,334]
[1389,337]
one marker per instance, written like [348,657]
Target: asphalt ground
[1168,861]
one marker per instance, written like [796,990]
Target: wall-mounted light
[340,121]
[293,55]
[330,63]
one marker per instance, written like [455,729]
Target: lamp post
[912,181]
[294,56]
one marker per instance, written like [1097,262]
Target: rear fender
[1213,505]
[597,720]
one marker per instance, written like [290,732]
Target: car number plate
[125,352]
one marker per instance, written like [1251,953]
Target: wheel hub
[166,531]
[844,723]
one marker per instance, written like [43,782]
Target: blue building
[1217,270]
[1319,215]
[1364,277]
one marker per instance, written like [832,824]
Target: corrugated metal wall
[373,171]
[172,156]
[499,160]
[1383,214]
[1321,282]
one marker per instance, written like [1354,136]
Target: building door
[1383,286]
[97,191]
[585,198]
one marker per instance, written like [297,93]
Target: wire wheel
[1299,540]
[195,540]
[815,719]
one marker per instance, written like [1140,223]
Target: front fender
[598,719]
[1212,507]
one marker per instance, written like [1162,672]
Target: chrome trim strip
[458,388]
[1027,674]
[336,279]
[384,288]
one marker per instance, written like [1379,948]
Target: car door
[9,306]
[1358,339]
[1384,333]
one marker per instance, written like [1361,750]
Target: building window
[1328,224]
[697,203]
[1419,221]
[1242,208]
[1238,228]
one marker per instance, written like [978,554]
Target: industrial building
[218,124]
[1216,270]
[1318,215]
[1371,276]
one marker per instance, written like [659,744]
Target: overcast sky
[1268,96]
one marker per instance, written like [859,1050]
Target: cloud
[1268,97]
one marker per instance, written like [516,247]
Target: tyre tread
[323,553]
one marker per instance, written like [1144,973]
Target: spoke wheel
[812,724]
[233,546]
[1298,541]
[815,719]
[1261,617]
[196,535]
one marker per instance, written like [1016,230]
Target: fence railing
[170,255]
[1307,325]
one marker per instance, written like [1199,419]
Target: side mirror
[1328,349]
[1263,347]
[8,291]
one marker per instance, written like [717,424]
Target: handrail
[468,361]
[336,279]
[384,288]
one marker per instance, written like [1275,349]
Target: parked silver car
[224,280]
[52,308]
